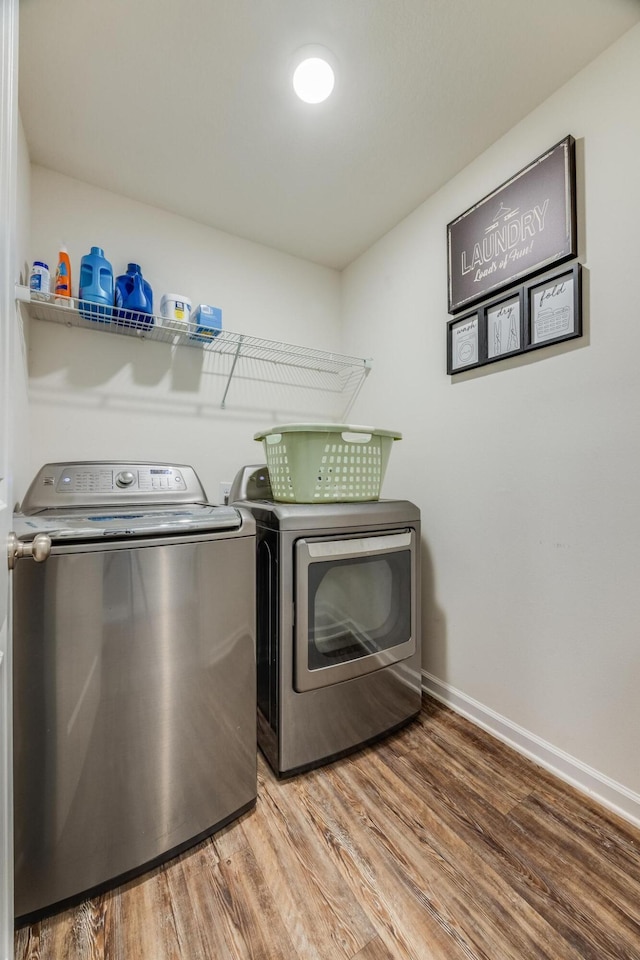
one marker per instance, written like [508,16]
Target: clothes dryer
[338,623]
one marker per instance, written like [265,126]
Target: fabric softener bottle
[95,288]
[134,299]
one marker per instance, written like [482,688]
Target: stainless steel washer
[134,674]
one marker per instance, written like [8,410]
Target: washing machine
[134,674]
[338,622]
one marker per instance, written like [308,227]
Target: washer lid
[110,523]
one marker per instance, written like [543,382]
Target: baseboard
[615,796]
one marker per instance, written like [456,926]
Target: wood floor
[437,844]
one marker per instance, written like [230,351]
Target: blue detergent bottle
[95,288]
[133,299]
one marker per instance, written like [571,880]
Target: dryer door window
[355,606]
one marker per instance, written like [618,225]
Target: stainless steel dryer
[338,622]
[134,674]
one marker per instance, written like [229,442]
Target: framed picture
[464,343]
[553,308]
[504,319]
[523,227]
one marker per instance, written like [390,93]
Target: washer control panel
[64,485]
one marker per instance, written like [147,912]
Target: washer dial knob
[125,479]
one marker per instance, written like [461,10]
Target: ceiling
[187,104]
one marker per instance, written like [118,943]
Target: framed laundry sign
[524,226]
[465,346]
[554,308]
[545,309]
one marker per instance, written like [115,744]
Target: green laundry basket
[326,462]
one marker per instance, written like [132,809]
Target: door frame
[8,167]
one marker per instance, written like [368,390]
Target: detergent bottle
[62,287]
[95,288]
[133,299]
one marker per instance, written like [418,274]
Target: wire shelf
[334,372]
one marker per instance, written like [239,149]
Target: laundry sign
[524,226]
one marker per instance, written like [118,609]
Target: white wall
[96,395]
[527,472]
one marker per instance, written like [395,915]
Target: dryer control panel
[61,486]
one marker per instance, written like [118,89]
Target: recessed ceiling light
[313,77]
